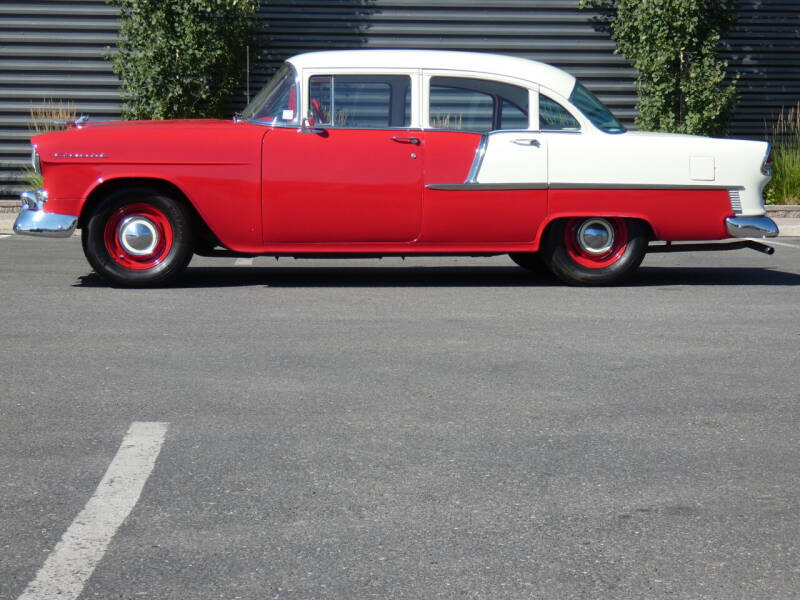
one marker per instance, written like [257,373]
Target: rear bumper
[33,220]
[751,227]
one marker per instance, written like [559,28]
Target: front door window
[361,101]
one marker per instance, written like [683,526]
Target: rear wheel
[138,237]
[594,250]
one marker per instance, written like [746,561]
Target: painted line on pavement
[771,242]
[4,235]
[80,549]
[243,262]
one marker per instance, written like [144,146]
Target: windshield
[276,103]
[596,112]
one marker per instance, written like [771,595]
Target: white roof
[557,80]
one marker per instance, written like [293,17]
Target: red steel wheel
[594,250]
[138,236]
[596,243]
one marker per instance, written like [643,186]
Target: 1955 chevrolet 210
[397,152]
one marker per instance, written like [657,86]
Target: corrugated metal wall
[55,49]
[51,50]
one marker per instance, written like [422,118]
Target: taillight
[766,166]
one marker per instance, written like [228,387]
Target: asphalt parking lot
[428,428]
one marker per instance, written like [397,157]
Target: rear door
[485,168]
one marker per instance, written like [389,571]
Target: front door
[356,176]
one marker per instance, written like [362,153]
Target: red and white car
[397,152]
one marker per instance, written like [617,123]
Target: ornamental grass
[784,135]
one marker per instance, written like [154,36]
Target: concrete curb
[789,227]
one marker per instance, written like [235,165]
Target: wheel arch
[555,218]
[166,187]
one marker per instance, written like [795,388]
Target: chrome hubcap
[595,236]
[137,235]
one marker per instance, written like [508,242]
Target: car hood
[191,141]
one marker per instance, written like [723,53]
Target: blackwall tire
[138,237]
[531,261]
[595,250]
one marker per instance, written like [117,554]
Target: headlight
[36,163]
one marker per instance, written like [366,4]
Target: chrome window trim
[333,73]
[289,124]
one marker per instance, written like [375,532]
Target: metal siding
[51,50]
[55,49]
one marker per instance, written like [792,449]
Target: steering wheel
[316,111]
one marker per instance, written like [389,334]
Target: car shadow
[221,277]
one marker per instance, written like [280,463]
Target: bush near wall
[673,45]
[181,59]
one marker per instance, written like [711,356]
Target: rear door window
[461,103]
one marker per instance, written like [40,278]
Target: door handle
[526,142]
[405,140]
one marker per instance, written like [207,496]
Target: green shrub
[181,59]
[673,45]
[784,135]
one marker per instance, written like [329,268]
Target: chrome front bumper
[33,220]
[751,227]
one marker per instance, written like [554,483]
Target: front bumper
[751,227]
[33,220]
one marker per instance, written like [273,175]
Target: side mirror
[307,125]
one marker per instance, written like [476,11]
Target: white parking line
[76,555]
[774,243]
[243,262]
[4,235]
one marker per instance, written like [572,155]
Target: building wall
[55,49]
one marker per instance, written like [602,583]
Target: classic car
[398,153]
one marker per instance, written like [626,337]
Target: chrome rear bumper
[751,227]
[33,220]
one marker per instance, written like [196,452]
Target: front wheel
[138,237]
[594,250]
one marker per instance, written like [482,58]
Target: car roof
[510,66]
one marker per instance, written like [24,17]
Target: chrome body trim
[480,152]
[736,201]
[36,162]
[474,185]
[78,122]
[638,186]
[485,187]
[33,220]
[751,227]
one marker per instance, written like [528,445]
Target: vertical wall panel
[55,49]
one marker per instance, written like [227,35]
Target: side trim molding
[485,187]
[638,186]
